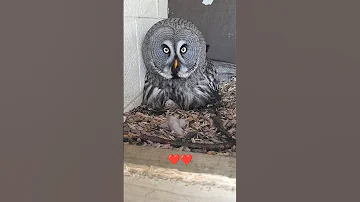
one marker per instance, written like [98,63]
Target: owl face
[174,52]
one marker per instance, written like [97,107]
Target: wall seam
[138,48]
[158,8]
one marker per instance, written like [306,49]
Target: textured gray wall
[216,21]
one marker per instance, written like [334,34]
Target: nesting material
[211,130]
[176,125]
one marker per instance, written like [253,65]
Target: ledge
[200,163]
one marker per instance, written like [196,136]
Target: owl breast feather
[196,91]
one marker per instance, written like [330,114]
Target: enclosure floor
[144,189]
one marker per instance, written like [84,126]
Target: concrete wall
[139,16]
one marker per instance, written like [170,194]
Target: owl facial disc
[174,48]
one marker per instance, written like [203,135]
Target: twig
[179,143]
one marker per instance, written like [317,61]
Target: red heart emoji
[186,158]
[173,158]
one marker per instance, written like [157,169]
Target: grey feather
[194,83]
[225,71]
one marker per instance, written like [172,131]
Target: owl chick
[174,53]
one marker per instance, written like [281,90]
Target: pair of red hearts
[175,158]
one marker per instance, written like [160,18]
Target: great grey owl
[177,69]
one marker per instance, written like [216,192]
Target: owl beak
[175,63]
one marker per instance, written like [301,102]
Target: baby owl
[174,53]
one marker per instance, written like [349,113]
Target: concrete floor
[150,177]
[144,189]
[146,184]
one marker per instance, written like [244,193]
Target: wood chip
[188,126]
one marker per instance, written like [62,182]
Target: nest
[211,130]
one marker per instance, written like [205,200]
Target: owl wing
[153,95]
[224,71]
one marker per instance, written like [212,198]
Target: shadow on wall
[217,21]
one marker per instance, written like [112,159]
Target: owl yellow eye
[183,49]
[166,50]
